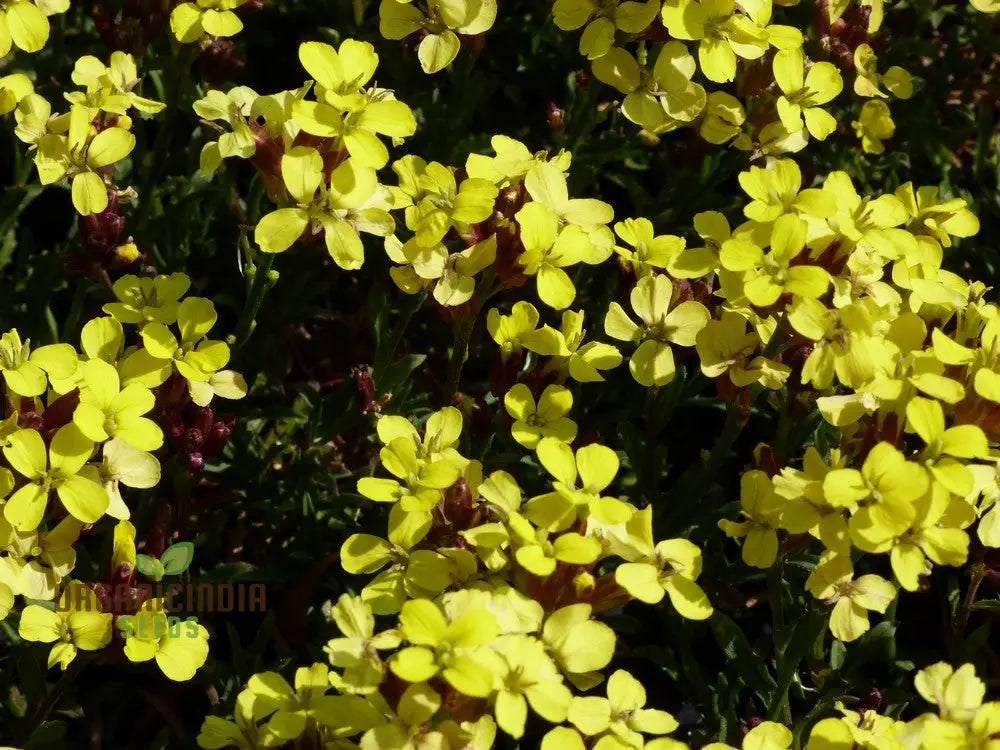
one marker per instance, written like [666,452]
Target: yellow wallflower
[77,624]
[805,93]
[602,20]
[453,649]
[652,364]
[833,581]
[546,418]
[56,469]
[761,507]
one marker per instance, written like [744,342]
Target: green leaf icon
[149,567]
[177,557]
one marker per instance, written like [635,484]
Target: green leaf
[749,665]
[149,566]
[838,652]
[177,557]
[398,372]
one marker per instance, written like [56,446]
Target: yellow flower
[194,356]
[242,732]
[545,182]
[621,714]
[14,88]
[146,300]
[939,219]
[602,20]
[770,275]
[885,490]
[671,566]
[762,507]
[956,692]
[663,251]
[122,464]
[81,155]
[349,203]
[547,418]
[109,88]
[407,572]
[570,356]
[180,648]
[356,651]
[724,34]
[723,121]
[725,346]
[106,410]
[660,101]
[444,20]
[868,82]
[578,484]
[77,624]
[874,125]
[943,446]
[547,251]
[190,21]
[422,481]
[529,677]
[56,469]
[512,162]
[538,555]
[25,24]
[508,331]
[408,727]
[776,191]
[346,111]
[767,735]
[288,712]
[453,649]
[803,96]
[652,364]
[935,535]
[833,581]
[54,558]
[24,371]
[579,645]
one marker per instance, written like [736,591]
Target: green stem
[774,580]
[50,320]
[962,616]
[460,352]
[789,658]
[262,279]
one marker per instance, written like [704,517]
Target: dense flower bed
[592,374]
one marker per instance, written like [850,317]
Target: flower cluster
[733,39]
[79,427]
[437,24]
[496,597]
[84,144]
[328,188]
[487,613]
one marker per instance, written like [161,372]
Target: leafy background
[276,505]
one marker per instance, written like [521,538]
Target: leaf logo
[175,560]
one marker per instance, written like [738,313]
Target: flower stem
[262,279]
[962,616]
[460,352]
